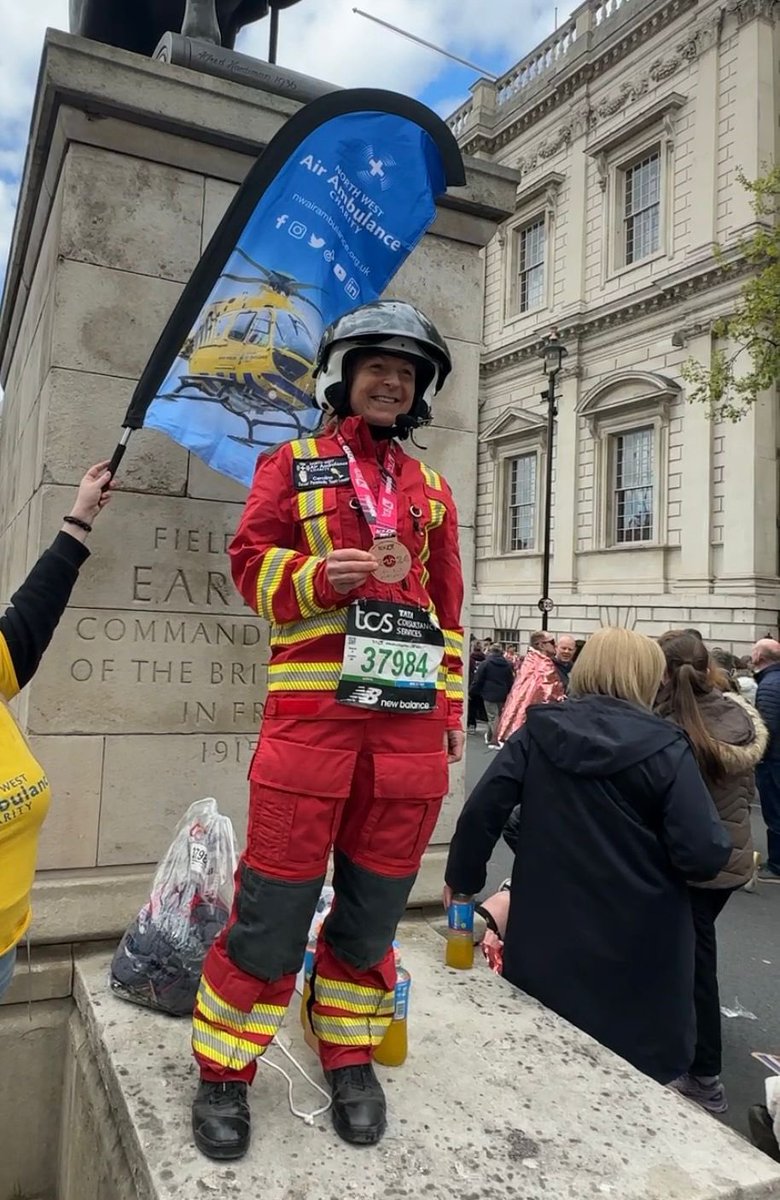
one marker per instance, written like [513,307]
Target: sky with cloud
[325,39]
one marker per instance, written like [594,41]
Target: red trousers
[368,786]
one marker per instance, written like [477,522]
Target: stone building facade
[628,128]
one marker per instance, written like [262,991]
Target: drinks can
[402,988]
[460,915]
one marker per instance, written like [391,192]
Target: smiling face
[382,388]
[567,648]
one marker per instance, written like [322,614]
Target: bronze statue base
[183,51]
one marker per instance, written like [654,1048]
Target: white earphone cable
[307,1118]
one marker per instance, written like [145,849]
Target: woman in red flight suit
[349,548]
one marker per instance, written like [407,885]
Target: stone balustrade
[545,58]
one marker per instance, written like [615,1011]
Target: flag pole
[119,453]
[273,36]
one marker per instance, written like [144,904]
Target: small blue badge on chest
[310,473]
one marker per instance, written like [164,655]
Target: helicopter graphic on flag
[323,221]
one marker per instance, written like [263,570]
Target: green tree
[753,330]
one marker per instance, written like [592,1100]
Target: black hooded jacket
[494,678]
[613,819]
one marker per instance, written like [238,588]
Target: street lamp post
[553,352]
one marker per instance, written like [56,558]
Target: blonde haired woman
[614,820]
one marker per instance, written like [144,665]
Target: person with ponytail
[728,739]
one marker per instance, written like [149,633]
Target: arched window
[627,415]
[517,441]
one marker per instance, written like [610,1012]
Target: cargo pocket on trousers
[408,792]
[296,797]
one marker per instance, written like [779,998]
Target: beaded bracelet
[77,521]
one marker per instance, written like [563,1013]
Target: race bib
[392,655]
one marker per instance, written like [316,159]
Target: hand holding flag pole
[323,221]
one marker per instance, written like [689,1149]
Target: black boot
[358,1104]
[220,1119]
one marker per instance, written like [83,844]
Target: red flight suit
[329,776]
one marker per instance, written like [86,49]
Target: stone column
[750,498]
[704,168]
[151,694]
[572,297]
[754,104]
[696,485]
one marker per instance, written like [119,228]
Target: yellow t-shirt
[24,802]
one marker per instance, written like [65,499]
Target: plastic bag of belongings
[159,960]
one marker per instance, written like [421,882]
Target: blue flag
[331,210]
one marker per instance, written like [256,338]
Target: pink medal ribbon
[381,514]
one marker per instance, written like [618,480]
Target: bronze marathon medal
[395,561]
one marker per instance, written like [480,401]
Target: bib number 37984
[392,656]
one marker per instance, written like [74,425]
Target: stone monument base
[498,1099]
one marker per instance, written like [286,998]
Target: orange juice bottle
[392,1050]
[459,949]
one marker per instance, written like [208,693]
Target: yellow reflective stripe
[454,687]
[353,998]
[303,585]
[432,478]
[425,554]
[269,577]
[263,1018]
[312,627]
[310,508]
[349,1031]
[305,448]
[223,1048]
[318,536]
[310,504]
[438,513]
[289,676]
[453,642]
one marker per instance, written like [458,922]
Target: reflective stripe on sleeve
[269,578]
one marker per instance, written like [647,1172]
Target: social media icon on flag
[315,242]
[297,229]
[339,272]
[281,220]
[329,255]
[352,288]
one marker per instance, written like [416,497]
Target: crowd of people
[502,683]
[628,804]
[622,780]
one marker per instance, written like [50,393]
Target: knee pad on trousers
[362,925]
[268,938]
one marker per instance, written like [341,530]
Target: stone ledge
[49,975]
[499,1099]
[98,904]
